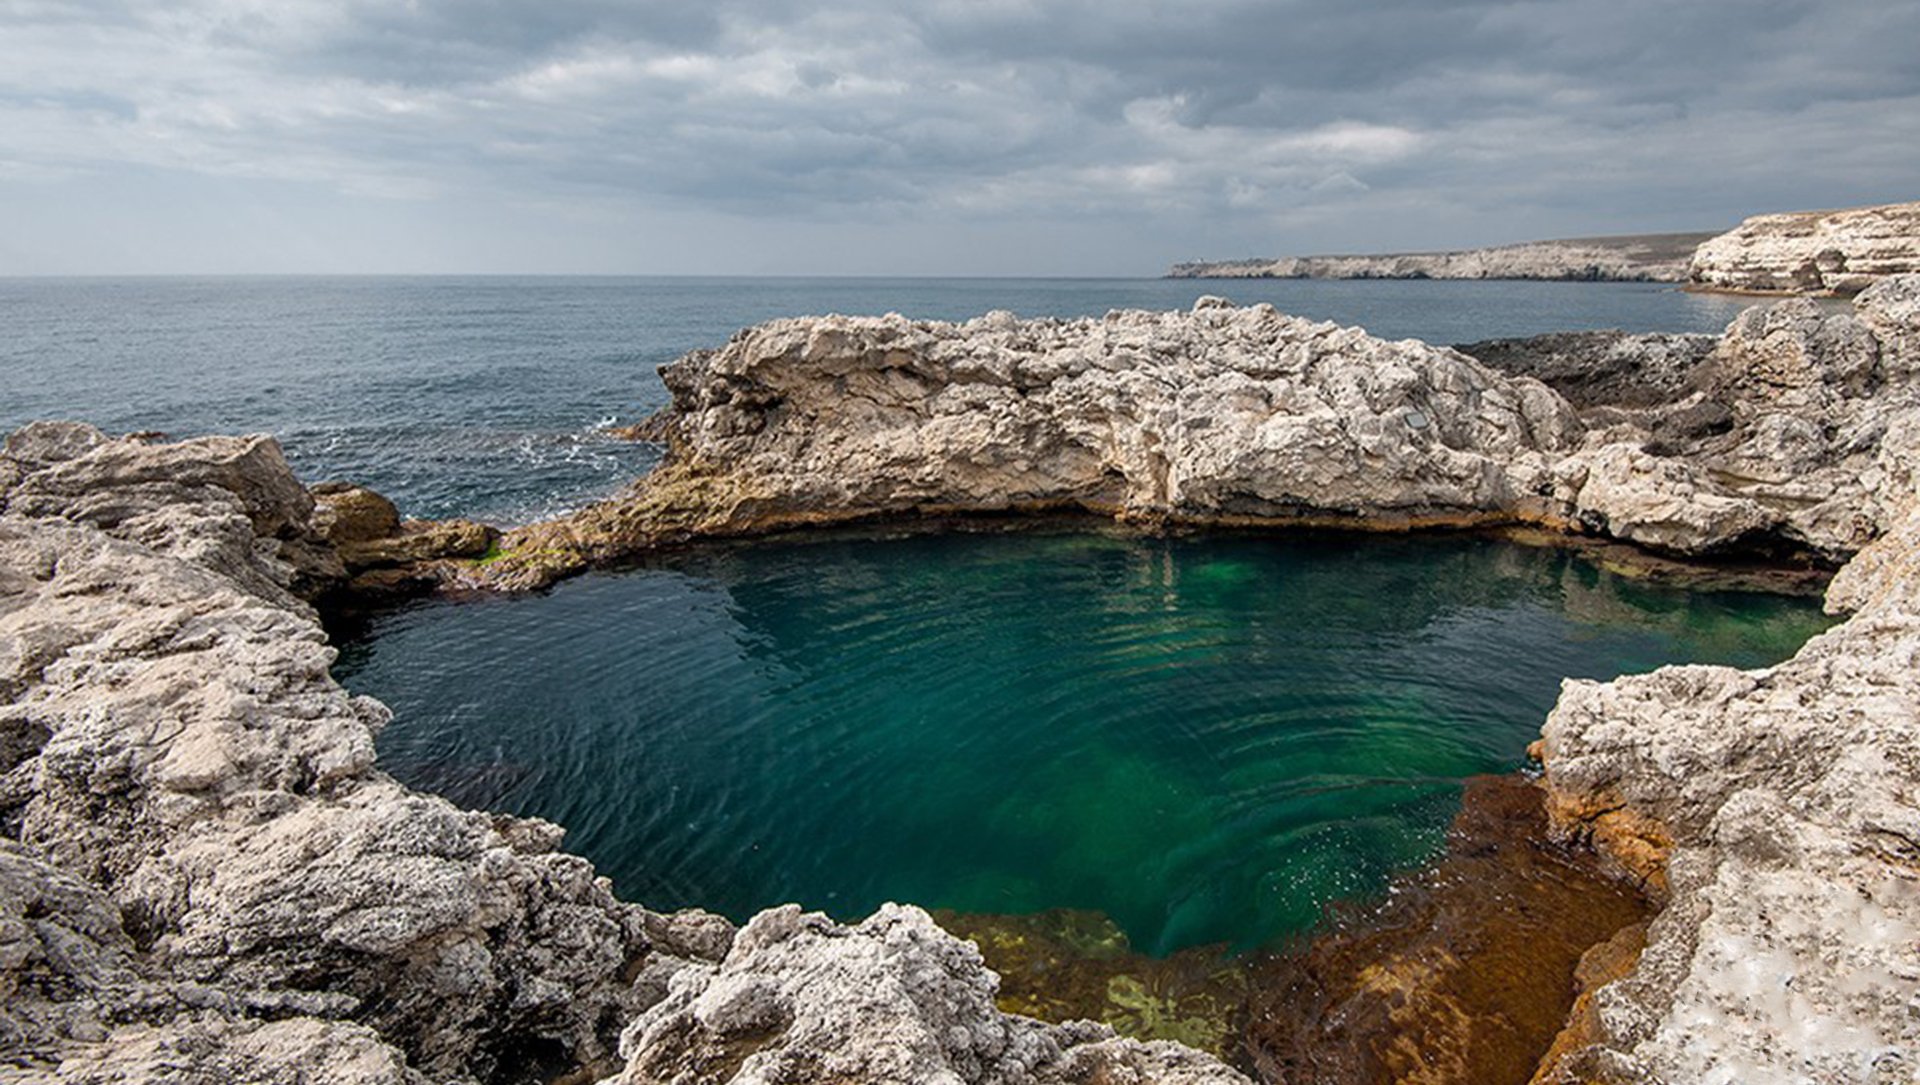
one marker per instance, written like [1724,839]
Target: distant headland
[1625,258]
[1827,253]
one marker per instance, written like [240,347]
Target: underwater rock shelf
[204,872]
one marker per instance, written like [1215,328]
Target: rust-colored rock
[1465,974]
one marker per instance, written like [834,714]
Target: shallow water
[1207,739]
[489,397]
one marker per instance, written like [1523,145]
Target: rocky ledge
[1811,252]
[1764,444]
[205,878]
[1627,258]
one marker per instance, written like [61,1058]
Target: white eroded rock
[1812,252]
[205,878]
[1790,949]
[893,999]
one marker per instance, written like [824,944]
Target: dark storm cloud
[1391,121]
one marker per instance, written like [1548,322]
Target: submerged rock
[1463,975]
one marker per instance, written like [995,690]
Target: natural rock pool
[1207,739]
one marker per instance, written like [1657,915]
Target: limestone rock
[416,542]
[205,878]
[1220,414]
[386,556]
[1812,252]
[175,746]
[214,1050]
[1627,258]
[344,513]
[1601,368]
[802,999]
[1764,442]
[230,503]
[1790,947]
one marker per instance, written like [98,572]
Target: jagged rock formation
[1762,445]
[1602,368]
[204,877]
[1627,258]
[1776,810]
[802,999]
[1811,252]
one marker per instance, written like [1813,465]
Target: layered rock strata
[1762,444]
[1811,252]
[204,876]
[1627,258]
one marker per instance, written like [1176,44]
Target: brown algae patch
[1071,964]
[1476,969]
[1466,972]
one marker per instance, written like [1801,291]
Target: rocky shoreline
[1640,258]
[205,876]
[1829,253]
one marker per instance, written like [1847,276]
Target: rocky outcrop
[1811,252]
[204,876]
[1602,368]
[1760,444]
[1776,811]
[1627,258]
[385,555]
[1220,414]
[803,999]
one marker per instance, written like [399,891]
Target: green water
[1206,739]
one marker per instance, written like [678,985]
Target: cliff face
[1812,252]
[1629,258]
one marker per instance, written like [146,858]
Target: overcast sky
[1106,137]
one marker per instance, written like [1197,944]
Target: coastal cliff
[1811,252]
[205,876]
[1627,258]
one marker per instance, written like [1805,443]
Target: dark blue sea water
[485,397]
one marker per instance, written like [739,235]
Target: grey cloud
[1289,123]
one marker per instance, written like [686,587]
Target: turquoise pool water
[1208,739]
